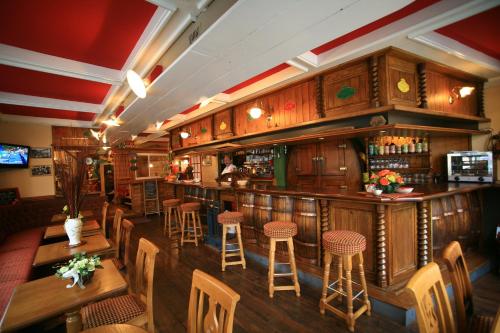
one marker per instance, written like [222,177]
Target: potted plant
[71,171]
[386,180]
[81,269]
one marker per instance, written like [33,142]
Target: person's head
[227,160]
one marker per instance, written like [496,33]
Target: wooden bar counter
[402,234]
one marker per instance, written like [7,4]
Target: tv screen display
[14,156]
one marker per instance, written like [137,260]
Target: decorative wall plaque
[403,86]
[345,92]
[222,126]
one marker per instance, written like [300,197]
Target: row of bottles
[391,145]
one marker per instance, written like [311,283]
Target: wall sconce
[459,92]
[95,134]
[136,83]
[256,110]
[185,134]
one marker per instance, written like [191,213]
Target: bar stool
[344,245]
[191,223]
[171,211]
[281,232]
[231,219]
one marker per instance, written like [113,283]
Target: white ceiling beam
[297,64]
[164,4]
[47,121]
[49,103]
[40,62]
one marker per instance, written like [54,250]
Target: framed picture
[41,152]
[41,170]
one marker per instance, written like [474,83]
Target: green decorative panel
[346,92]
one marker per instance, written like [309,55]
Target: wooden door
[332,158]
[305,160]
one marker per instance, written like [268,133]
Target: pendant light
[136,83]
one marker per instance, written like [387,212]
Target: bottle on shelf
[371,148]
[392,148]
[425,145]
[411,147]
[386,149]
[418,146]
[381,148]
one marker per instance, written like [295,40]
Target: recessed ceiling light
[136,83]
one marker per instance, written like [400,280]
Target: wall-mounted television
[14,156]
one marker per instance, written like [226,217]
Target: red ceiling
[480,32]
[99,32]
[28,82]
[30,111]
[415,6]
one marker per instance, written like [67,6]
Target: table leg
[73,321]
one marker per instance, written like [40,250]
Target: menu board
[9,196]
[150,190]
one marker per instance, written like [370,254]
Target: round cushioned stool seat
[190,207]
[344,242]
[278,229]
[171,202]
[230,218]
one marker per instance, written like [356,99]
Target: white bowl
[225,183]
[377,192]
[404,190]
[196,180]
[242,182]
[369,188]
[188,181]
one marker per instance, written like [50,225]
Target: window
[196,164]
[151,165]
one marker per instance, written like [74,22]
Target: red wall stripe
[30,111]
[415,6]
[257,78]
[191,109]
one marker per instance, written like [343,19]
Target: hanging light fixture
[256,110]
[136,83]
[185,134]
[460,92]
[158,125]
[95,134]
[111,122]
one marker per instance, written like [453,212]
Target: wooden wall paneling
[223,124]
[201,132]
[464,226]
[72,136]
[332,158]
[320,106]
[175,138]
[347,89]
[475,203]
[399,69]
[353,179]
[361,218]
[402,242]
[440,146]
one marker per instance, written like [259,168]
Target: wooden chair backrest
[144,276]
[124,246]
[221,305]
[495,328]
[432,303]
[104,216]
[462,287]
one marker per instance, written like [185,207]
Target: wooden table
[116,328]
[52,253]
[60,218]
[88,228]
[42,299]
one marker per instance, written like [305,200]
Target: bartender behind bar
[230,167]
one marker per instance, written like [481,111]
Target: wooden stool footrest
[283,274]
[233,250]
[284,287]
[232,255]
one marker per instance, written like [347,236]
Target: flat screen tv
[14,156]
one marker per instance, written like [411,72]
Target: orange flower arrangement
[386,180]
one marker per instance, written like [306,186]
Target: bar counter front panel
[401,234]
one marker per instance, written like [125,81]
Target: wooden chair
[115,232]
[136,308]
[462,290]
[104,215]
[123,247]
[222,302]
[432,304]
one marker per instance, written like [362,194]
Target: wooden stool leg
[193,218]
[198,219]
[348,268]
[224,231]
[183,225]
[340,276]
[169,222]
[293,266]
[363,284]
[272,251]
[178,219]
[240,244]
[165,210]
[326,281]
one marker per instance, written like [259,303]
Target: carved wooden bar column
[320,106]
[423,233]
[381,247]
[324,225]
[480,99]
[374,81]
[422,85]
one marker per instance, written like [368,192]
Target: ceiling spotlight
[111,122]
[255,112]
[185,134]
[95,134]
[133,137]
[158,125]
[136,84]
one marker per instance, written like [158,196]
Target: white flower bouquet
[81,268]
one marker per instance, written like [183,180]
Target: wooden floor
[256,312]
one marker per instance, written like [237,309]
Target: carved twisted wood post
[422,85]
[374,81]
[381,247]
[423,233]
[320,107]
[480,99]
[324,225]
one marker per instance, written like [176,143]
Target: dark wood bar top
[429,191]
